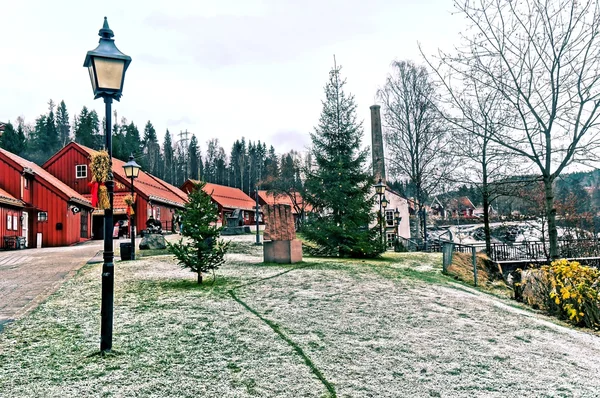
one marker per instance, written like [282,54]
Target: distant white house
[395,201]
[478,212]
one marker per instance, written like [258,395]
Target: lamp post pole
[108,267]
[132,170]
[132,222]
[383,204]
[380,190]
[380,223]
[256,216]
[107,66]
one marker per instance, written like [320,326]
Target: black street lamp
[132,170]
[107,66]
[384,202]
[256,216]
[380,190]
[397,218]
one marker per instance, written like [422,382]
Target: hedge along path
[275,327]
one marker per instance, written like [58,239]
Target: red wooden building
[154,197]
[11,213]
[227,199]
[39,207]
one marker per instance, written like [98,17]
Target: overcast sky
[225,69]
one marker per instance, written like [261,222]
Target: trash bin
[126,251]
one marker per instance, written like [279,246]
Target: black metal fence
[539,250]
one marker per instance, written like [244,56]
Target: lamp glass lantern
[396,214]
[107,66]
[380,187]
[384,202]
[132,169]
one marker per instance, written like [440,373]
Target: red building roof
[226,197]
[52,182]
[146,184]
[7,198]
[283,199]
[119,205]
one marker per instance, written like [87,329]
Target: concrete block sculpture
[280,243]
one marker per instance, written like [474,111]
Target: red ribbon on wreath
[95,188]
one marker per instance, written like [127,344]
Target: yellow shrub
[574,292]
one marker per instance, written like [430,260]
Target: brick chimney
[377,145]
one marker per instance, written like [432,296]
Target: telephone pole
[183,142]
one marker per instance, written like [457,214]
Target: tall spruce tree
[52,139]
[271,169]
[11,140]
[193,159]
[62,124]
[338,186]
[151,149]
[168,158]
[87,129]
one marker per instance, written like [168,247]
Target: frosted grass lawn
[347,328]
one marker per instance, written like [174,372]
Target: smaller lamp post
[256,216]
[397,218]
[132,170]
[384,202]
[380,190]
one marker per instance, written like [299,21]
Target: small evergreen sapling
[202,251]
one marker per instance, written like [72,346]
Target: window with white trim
[42,216]
[81,171]
[389,217]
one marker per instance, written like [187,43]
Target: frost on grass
[389,328]
[171,338]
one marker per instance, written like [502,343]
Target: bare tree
[476,114]
[413,130]
[543,58]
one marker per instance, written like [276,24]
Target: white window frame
[389,217]
[81,171]
[9,222]
[44,218]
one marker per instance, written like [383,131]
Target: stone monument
[235,224]
[280,243]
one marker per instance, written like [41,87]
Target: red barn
[154,197]
[37,206]
[227,199]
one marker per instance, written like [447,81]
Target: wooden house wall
[59,212]
[63,168]
[11,179]
[15,213]
[166,213]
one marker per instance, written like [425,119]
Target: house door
[25,227]
[84,224]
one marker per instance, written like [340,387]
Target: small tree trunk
[199,277]
[417,223]
[551,216]
[486,223]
